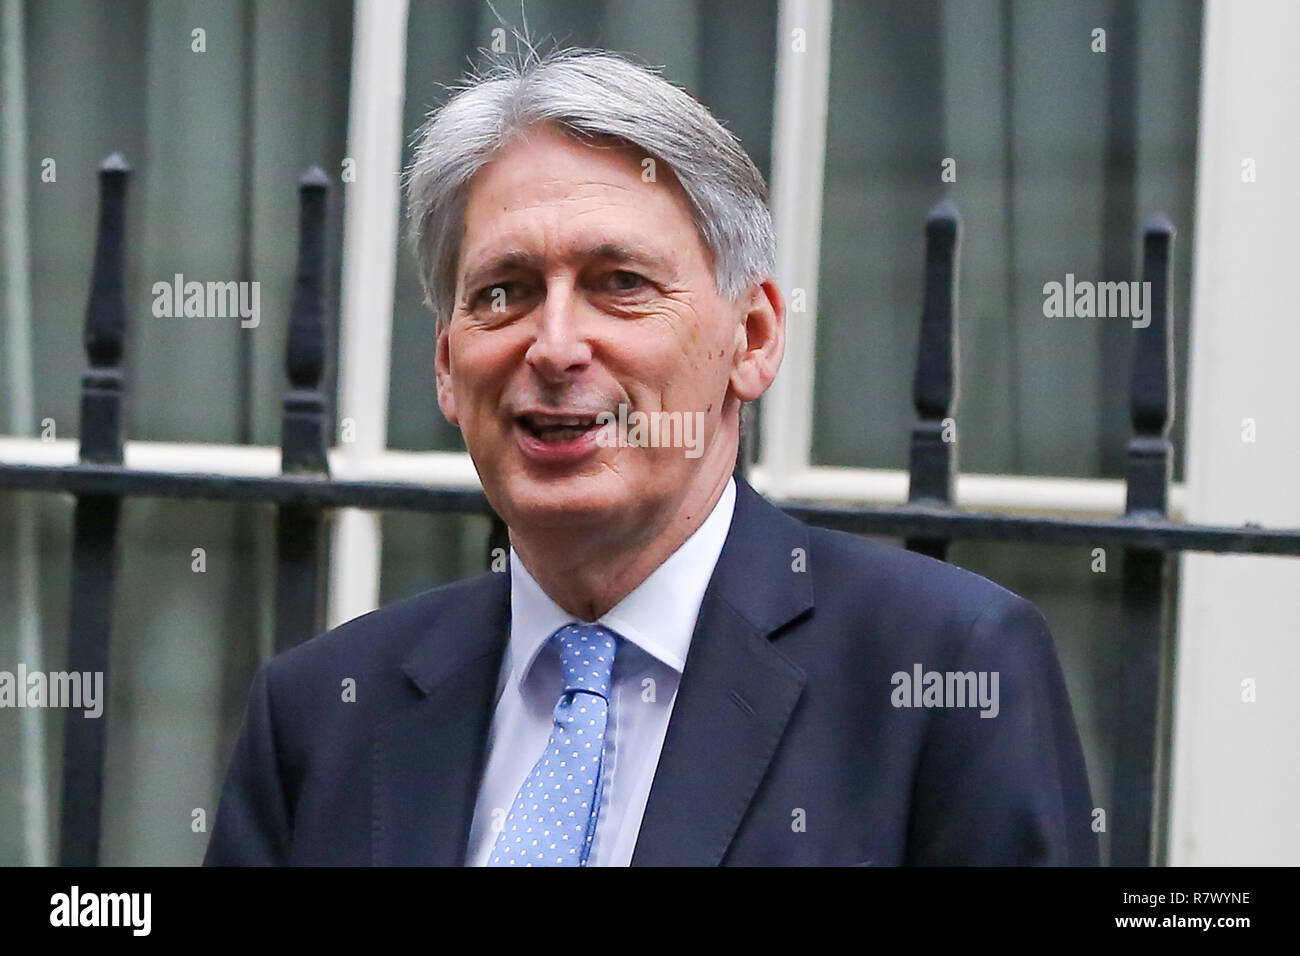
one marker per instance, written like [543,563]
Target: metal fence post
[300,561]
[1142,747]
[94,546]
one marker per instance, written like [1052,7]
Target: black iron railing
[928,522]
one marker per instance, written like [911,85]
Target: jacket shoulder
[385,635]
[916,593]
[847,558]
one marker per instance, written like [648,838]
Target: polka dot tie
[554,815]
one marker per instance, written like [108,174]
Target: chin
[571,501]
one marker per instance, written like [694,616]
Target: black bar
[94,541]
[897,521]
[300,546]
[299,566]
[94,565]
[1139,731]
[909,520]
[268,489]
[498,543]
[933,464]
[1142,730]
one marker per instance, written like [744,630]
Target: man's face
[581,286]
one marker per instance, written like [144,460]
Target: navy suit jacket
[785,744]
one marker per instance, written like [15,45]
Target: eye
[499,292]
[621,280]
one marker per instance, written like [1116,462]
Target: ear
[442,373]
[760,341]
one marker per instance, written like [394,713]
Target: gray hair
[586,94]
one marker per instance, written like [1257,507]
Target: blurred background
[1061,149]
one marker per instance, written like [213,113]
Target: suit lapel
[428,759]
[736,695]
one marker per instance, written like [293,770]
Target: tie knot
[587,657]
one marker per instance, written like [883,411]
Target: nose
[560,344]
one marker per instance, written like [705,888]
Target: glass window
[1060,152]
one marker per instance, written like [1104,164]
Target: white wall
[1236,773]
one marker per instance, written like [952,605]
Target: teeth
[558,428]
[559,433]
[552,421]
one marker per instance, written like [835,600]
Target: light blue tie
[554,816]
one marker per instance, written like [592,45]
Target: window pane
[1060,152]
[217,139]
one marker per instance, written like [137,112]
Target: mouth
[557,429]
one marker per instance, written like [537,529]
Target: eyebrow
[512,259]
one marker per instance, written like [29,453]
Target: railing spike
[315,176]
[105,327]
[300,545]
[1151,394]
[933,459]
[303,441]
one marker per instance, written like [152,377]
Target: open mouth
[557,428]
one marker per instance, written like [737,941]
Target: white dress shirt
[656,622]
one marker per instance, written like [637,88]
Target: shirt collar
[658,616]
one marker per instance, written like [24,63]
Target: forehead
[547,189]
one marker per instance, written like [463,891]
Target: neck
[587,575]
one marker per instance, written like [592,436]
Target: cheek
[477,363]
[711,359]
[680,369]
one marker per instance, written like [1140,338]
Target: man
[670,671]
